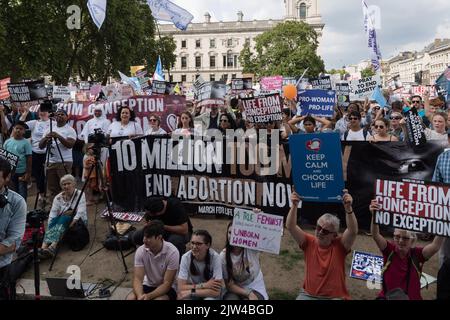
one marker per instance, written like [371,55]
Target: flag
[97,9]
[369,27]
[167,11]
[131,82]
[134,69]
[177,89]
[4,93]
[159,74]
[378,96]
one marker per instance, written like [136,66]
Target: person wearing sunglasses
[200,276]
[355,132]
[325,252]
[381,132]
[396,128]
[403,261]
[155,129]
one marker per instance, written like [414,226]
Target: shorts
[171,294]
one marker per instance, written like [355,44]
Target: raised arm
[374,228]
[291,221]
[349,236]
[432,248]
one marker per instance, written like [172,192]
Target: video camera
[49,106]
[98,138]
[7,106]
[36,217]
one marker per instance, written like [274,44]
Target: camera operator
[37,128]
[13,211]
[62,140]
[98,122]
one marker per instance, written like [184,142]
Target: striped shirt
[442,170]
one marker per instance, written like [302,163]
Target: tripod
[47,161]
[97,167]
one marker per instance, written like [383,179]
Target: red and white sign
[4,93]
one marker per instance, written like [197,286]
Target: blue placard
[317,102]
[366,266]
[317,166]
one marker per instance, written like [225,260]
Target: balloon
[290,91]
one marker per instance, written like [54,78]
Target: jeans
[21,187]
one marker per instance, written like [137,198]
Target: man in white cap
[99,121]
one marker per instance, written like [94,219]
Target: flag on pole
[159,74]
[97,9]
[369,27]
[378,96]
[167,11]
[177,89]
[131,82]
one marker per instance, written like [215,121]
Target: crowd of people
[163,269]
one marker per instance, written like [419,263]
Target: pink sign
[272,83]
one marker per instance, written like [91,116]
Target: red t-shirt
[395,275]
[325,268]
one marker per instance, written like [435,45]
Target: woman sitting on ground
[242,273]
[62,215]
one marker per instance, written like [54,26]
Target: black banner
[416,133]
[152,166]
[27,91]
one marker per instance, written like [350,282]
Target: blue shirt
[442,170]
[21,148]
[12,224]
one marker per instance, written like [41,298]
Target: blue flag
[97,9]
[377,95]
[167,11]
[159,74]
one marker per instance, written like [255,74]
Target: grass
[290,259]
[277,294]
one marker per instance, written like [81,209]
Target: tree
[367,72]
[288,49]
[38,42]
[246,59]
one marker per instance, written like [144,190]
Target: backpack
[77,237]
[365,133]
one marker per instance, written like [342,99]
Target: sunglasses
[398,238]
[353,118]
[153,120]
[223,120]
[379,127]
[395,118]
[415,101]
[323,231]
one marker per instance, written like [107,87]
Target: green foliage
[367,72]
[277,294]
[36,40]
[289,259]
[246,59]
[288,49]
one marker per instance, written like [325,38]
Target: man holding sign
[325,252]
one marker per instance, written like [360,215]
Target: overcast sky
[405,25]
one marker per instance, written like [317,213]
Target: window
[171,78]
[233,76]
[225,77]
[212,61]
[183,44]
[247,41]
[224,61]
[229,60]
[212,77]
[212,43]
[198,43]
[302,11]
[183,78]
[196,76]
[230,42]
[198,62]
[235,61]
[183,62]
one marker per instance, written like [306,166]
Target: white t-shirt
[356,135]
[116,129]
[66,153]
[38,127]
[155,132]
[95,123]
[215,268]
[249,278]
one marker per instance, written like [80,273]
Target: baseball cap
[61,111]
[22,123]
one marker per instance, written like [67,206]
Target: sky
[404,25]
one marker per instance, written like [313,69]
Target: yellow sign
[134,69]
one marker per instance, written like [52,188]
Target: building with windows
[212,49]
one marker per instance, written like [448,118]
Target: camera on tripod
[98,138]
[35,218]
[48,106]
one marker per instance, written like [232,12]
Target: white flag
[369,28]
[167,11]
[97,9]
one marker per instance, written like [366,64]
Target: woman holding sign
[242,273]
[403,261]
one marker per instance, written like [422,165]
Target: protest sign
[62,92]
[158,87]
[4,93]
[257,231]
[211,94]
[124,216]
[263,109]
[343,94]
[322,83]
[316,102]
[317,166]
[289,80]
[416,132]
[271,83]
[414,205]
[364,88]
[243,85]
[10,157]
[27,91]
[366,266]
